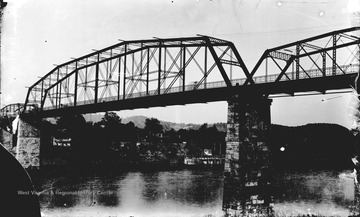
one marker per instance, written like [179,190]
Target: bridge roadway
[312,80]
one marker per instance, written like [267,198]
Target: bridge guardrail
[313,73]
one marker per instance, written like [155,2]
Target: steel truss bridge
[175,71]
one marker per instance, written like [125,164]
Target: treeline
[312,146]
[111,142]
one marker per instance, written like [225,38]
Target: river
[188,193]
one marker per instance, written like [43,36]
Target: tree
[153,126]
[129,132]
[171,136]
[110,119]
[110,127]
[69,125]
[152,129]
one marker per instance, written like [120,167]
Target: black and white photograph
[180,108]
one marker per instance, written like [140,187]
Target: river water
[188,193]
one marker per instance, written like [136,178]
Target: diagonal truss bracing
[156,67]
[139,68]
[12,110]
[333,53]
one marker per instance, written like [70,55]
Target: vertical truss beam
[183,67]
[159,70]
[334,55]
[205,67]
[76,87]
[323,55]
[96,89]
[297,62]
[124,80]
[147,70]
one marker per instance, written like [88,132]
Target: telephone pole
[2,6]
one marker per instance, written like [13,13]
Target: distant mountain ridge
[139,121]
[312,145]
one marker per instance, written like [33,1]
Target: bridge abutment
[28,145]
[24,144]
[247,189]
[6,140]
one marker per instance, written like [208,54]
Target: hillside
[311,145]
[139,121]
[308,146]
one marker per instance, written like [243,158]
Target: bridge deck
[314,73]
[216,91]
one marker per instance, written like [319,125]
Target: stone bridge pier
[247,174]
[23,143]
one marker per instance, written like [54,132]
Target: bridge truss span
[139,68]
[175,71]
[14,109]
[330,54]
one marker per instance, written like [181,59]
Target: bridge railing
[12,110]
[313,73]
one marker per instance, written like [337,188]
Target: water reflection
[187,193]
[151,187]
[327,193]
[106,191]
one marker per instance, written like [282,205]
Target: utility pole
[2,5]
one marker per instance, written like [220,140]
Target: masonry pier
[247,174]
[23,143]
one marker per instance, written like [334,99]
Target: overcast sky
[37,34]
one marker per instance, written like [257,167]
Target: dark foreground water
[188,193]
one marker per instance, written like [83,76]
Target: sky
[36,34]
